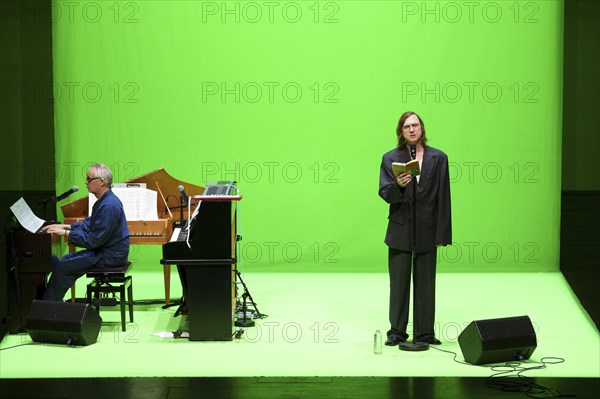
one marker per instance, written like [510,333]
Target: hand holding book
[411,167]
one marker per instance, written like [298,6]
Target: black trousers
[72,266]
[423,267]
[65,272]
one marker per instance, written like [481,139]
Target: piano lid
[158,180]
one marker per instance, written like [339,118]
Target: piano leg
[167,278]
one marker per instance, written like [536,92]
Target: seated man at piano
[104,235]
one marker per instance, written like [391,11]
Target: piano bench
[109,280]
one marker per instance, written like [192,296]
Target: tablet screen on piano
[218,188]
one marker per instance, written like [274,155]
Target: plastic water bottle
[377,349]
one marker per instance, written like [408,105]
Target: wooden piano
[146,232]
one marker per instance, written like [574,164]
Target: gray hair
[103,173]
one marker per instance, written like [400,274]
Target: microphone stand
[55,200]
[45,203]
[413,156]
[246,295]
[181,205]
[13,265]
[414,346]
[414,240]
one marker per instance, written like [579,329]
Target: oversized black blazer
[433,212]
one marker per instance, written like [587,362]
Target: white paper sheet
[138,203]
[25,216]
[167,334]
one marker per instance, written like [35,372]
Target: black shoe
[394,340]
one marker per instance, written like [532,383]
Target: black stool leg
[122,303]
[130,296]
[102,284]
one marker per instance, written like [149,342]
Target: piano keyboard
[146,235]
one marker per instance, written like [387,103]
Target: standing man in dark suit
[419,222]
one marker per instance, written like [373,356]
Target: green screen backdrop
[298,100]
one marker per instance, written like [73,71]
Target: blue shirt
[105,232]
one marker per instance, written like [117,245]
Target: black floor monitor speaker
[63,323]
[498,340]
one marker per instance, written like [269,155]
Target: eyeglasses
[414,126]
[90,179]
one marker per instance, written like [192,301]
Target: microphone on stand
[64,195]
[58,198]
[184,198]
[413,151]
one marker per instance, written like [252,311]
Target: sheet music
[138,203]
[190,218]
[176,232]
[196,210]
[25,216]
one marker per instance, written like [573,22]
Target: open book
[411,167]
